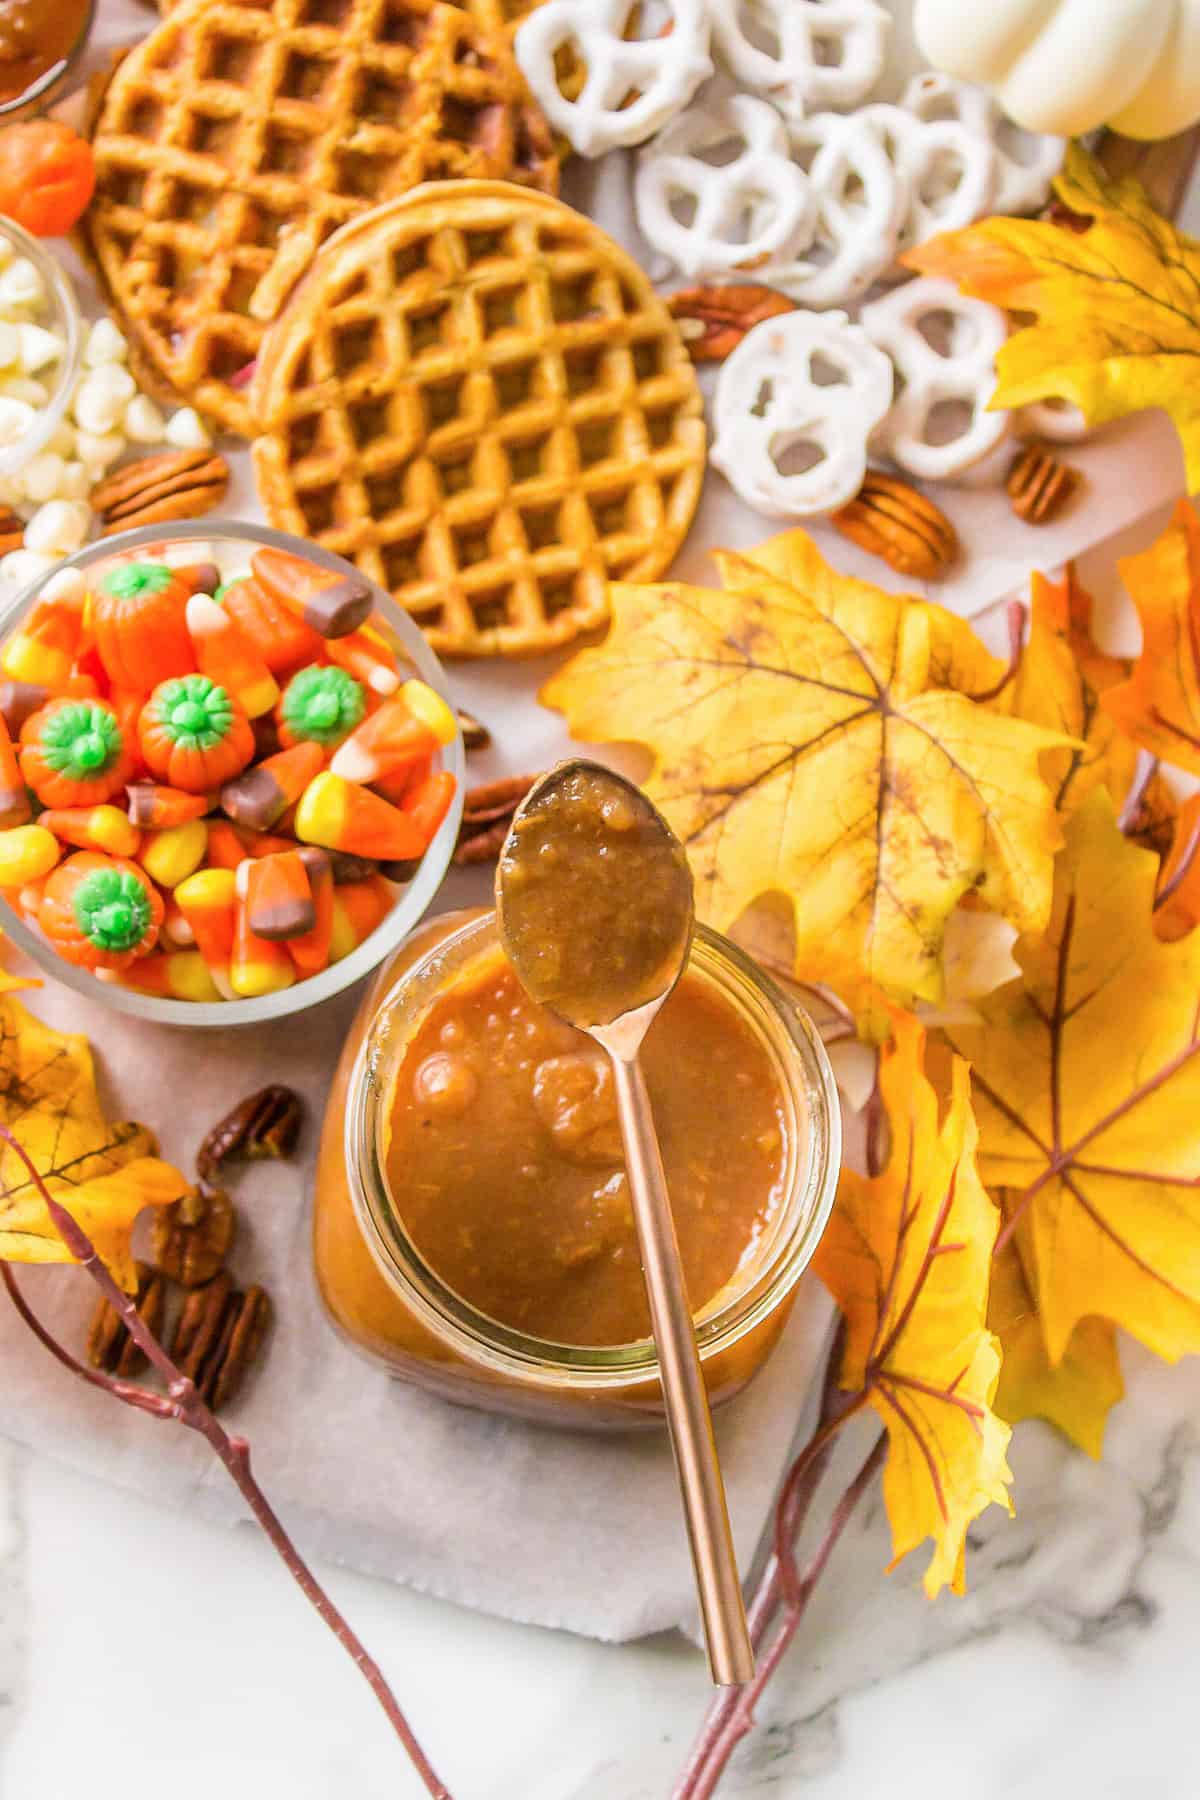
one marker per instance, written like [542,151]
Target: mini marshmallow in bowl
[41,341]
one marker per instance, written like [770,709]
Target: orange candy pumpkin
[76,753]
[194,735]
[100,912]
[139,617]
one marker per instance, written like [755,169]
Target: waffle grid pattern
[238,136]
[481,401]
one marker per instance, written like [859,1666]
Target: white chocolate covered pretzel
[809,388]
[944,347]
[949,173]
[859,204]
[1026,161]
[712,217]
[805,55]
[630,86]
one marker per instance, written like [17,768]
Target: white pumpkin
[1066,66]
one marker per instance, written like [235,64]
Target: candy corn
[283,641]
[208,901]
[310,953]
[340,816]
[27,852]
[19,700]
[357,909]
[320,705]
[428,804]
[229,657]
[259,966]
[104,828]
[176,931]
[170,856]
[279,901]
[388,739]
[260,796]
[173,975]
[139,617]
[426,704]
[14,796]
[368,657]
[46,643]
[225,848]
[329,604]
[153,807]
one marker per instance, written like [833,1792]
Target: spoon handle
[730,1654]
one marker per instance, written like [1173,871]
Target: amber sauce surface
[504,1159]
[35,36]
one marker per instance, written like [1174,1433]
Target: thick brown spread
[595,898]
[36,36]
[504,1160]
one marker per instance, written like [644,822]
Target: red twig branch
[1143,775]
[183,1404]
[1182,869]
[1015,619]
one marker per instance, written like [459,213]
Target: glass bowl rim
[387,935]
[62,291]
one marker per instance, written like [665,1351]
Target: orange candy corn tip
[331,605]
[229,657]
[259,966]
[105,828]
[172,975]
[14,797]
[366,655]
[279,899]
[337,815]
[260,796]
[208,901]
[388,739]
[155,807]
[358,907]
[310,953]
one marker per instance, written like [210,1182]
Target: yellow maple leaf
[1159,705]
[1076,1394]
[907,1257]
[1117,305]
[1086,1076]
[103,1174]
[816,737]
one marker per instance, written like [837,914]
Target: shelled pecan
[219,1335]
[713,319]
[12,531]
[263,1124]
[1039,486]
[109,1345]
[891,519]
[171,484]
[191,1240]
[487,814]
[475,733]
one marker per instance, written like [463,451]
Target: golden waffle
[239,135]
[477,397]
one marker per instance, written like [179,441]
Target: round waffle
[477,397]
[239,135]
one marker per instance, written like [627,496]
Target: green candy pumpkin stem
[194,712]
[81,741]
[112,909]
[323,704]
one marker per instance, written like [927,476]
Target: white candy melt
[39,347]
[186,430]
[105,344]
[16,417]
[102,396]
[143,423]
[60,526]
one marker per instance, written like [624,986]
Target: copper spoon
[598,925]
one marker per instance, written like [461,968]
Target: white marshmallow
[186,430]
[39,347]
[11,492]
[21,285]
[42,476]
[22,566]
[143,423]
[65,584]
[16,417]
[102,396]
[105,344]
[24,387]
[76,482]
[98,450]
[60,525]
[62,440]
[10,344]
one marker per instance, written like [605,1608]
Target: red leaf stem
[185,1405]
[1015,619]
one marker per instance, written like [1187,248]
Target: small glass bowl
[49,87]
[62,316]
[412,901]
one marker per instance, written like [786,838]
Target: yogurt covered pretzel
[949,173]
[743,212]
[656,76]
[799,76]
[956,372]
[1026,161]
[860,202]
[806,379]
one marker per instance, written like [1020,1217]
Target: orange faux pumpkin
[100,912]
[139,617]
[76,753]
[194,735]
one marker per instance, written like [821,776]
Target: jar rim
[815,1157]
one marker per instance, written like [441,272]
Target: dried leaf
[1087,1089]
[907,1257]
[104,1174]
[1159,705]
[1078,1393]
[1177,907]
[817,737]
[10,983]
[1117,305]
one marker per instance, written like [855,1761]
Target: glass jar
[386,1299]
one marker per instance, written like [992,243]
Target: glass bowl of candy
[41,346]
[229,782]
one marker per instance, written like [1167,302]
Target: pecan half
[263,1124]
[12,531]
[109,1345]
[172,484]
[487,814]
[191,1240]
[198,1330]
[1039,486]
[475,734]
[245,1325]
[714,320]
[888,518]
